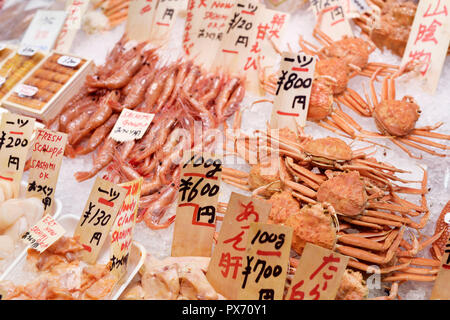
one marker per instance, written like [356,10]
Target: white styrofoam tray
[69,223]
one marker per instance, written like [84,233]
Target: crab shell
[283,206]
[261,175]
[396,118]
[346,192]
[325,152]
[352,50]
[335,68]
[352,287]
[320,101]
[314,225]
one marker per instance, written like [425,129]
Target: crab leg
[385,215]
[418,146]
[305,172]
[367,243]
[369,269]
[421,262]
[393,293]
[409,277]
[361,223]
[368,256]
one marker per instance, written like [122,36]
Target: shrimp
[166,92]
[74,127]
[70,114]
[224,96]
[156,210]
[233,103]
[98,136]
[102,114]
[154,91]
[120,78]
[135,90]
[104,157]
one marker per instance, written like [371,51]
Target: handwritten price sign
[429,40]
[195,221]
[42,235]
[334,22]
[122,230]
[46,159]
[229,252]
[266,262]
[15,136]
[44,30]
[290,107]
[105,201]
[319,274]
[131,125]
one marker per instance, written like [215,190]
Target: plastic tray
[69,223]
[23,248]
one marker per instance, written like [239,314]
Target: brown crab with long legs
[396,120]
[315,177]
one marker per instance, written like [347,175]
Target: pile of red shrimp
[180,94]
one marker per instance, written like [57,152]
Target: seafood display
[59,275]
[16,217]
[48,79]
[16,68]
[364,178]
[180,95]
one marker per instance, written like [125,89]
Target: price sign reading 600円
[195,221]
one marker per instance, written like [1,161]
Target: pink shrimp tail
[83,175]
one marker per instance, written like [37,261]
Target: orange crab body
[313,224]
[284,205]
[320,101]
[325,152]
[258,177]
[346,192]
[353,51]
[396,118]
[335,69]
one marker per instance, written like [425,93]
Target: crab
[396,120]
[352,287]
[389,27]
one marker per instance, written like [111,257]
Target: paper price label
[266,262]
[122,230]
[42,235]
[15,137]
[44,29]
[75,10]
[195,221]
[229,253]
[46,159]
[131,125]
[291,103]
[334,22]
[140,19]
[27,51]
[428,41]
[68,61]
[24,90]
[105,201]
[319,274]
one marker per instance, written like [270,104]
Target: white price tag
[70,62]
[24,90]
[27,51]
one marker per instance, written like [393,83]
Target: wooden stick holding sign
[266,262]
[75,11]
[319,274]
[229,252]
[15,140]
[46,158]
[140,19]
[195,222]
[331,18]
[236,45]
[290,107]
[105,201]
[428,41]
[122,230]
